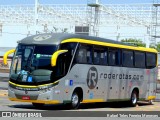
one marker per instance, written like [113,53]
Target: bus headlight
[43,90]
[49,89]
[54,87]
[46,89]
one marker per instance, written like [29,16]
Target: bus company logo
[92,78]
[42,37]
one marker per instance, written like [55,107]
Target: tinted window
[151,60]
[64,60]
[42,57]
[69,46]
[114,56]
[139,59]
[127,58]
[84,54]
[100,55]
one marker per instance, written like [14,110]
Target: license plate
[25,98]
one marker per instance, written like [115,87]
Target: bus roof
[58,38]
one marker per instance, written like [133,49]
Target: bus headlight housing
[43,90]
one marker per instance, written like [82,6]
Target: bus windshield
[30,58]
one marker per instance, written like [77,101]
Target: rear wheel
[133,99]
[151,102]
[38,105]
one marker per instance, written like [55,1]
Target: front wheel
[75,100]
[133,99]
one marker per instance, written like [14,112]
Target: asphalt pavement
[4,81]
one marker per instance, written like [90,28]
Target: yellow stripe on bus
[36,101]
[92,100]
[151,97]
[27,86]
[109,44]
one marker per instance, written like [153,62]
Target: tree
[157,46]
[136,42]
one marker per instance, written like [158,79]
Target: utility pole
[36,16]
[94,12]
[155,23]
[0,29]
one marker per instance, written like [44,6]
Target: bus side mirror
[55,56]
[6,55]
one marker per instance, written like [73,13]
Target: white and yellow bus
[72,69]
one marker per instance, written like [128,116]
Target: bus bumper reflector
[36,101]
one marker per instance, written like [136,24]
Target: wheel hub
[74,100]
[134,98]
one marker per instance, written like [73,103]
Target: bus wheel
[134,99]
[75,100]
[151,102]
[38,105]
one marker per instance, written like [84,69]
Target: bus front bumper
[36,101]
[48,97]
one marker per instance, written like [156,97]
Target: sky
[5,39]
[12,2]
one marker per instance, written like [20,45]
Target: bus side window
[64,60]
[150,60]
[139,59]
[61,66]
[127,58]
[84,55]
[100,56]
[114,57]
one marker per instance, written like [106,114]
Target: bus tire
[75,100]
[133,99]
[150,102]
[38,105]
